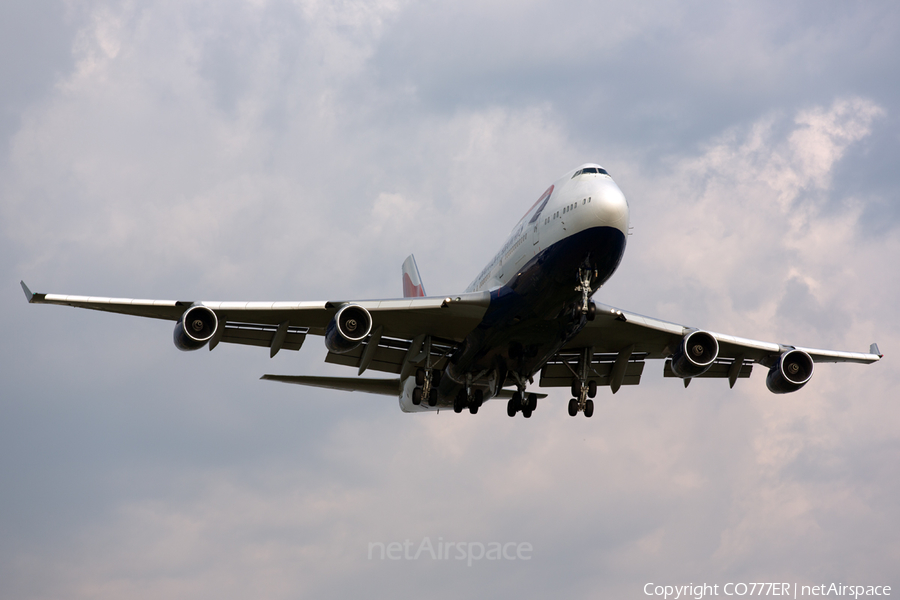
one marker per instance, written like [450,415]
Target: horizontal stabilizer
[506,394]
[385,387]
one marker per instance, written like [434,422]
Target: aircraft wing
[399,326]
[619,341]
[614,329]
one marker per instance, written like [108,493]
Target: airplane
[529,313]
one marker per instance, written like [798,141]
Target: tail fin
[412,283]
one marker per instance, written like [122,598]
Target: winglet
[873,349]
[412,283]
[29,295]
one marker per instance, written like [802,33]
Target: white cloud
[276,149]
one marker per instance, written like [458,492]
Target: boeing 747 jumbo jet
[528,314]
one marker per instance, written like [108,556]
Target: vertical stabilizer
[412,283]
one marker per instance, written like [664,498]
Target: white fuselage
[575,203]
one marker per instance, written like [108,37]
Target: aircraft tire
[417,396]
[526,412]
[576,388]
[420,376]
[592,388]
[573,407]
[511,407]
[473,409]
[433,397]
[478,397]
[532,402]
[589,408]
[459,403]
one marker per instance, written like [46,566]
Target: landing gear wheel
[588,408]
[526,412]
[511,407]
[576,388]
[517,401]
[573,407]
[592,388]
[460,402]
[478,397]
[473,409]
[420,376]
[417,396]
[591,311]
[432,397]
[532,402]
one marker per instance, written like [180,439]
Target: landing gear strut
[588,308]
[583,389]
[427,381]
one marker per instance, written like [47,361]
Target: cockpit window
[593,170]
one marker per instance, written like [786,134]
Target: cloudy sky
[277,150]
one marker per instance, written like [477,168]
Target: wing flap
[389,355]
[386,360]
[719,369]
[562,369]
[262,335]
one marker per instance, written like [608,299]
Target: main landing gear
[583,400]
[521,402]
[427,381]
[472,401]
[583,389]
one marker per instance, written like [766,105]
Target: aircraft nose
[610,207]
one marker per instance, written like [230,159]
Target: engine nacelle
[793,369]
[197,325]
[695,354]
[348,328]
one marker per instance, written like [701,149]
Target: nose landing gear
[588,308]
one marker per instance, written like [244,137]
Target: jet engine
[348,328]
[196,326]
[695,354]
[793,369]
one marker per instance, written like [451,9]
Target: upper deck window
[591,170]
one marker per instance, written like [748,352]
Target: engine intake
[793,369]
[696,353]
[348,328]
[196,326]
